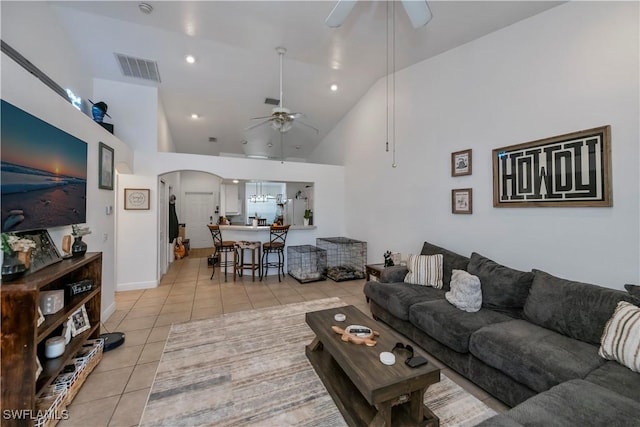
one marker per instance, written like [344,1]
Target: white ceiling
[237,67]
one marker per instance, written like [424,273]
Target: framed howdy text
[572,170]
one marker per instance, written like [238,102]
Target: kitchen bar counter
[297,235]
[263,228]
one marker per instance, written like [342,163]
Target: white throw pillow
[425,270]
[465,293]
[621,337]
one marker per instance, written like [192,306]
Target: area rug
[249,369]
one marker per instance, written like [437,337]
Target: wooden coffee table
[367,392]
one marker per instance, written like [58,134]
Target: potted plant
[16,255]
[307,216]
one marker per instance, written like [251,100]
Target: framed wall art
[45,252]
[136,198]
[461,163]
[571,170]
[462,201]
[105,166]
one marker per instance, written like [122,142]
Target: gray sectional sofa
[533,344]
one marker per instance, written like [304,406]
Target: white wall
[26,92]
[138,270]
[133,110]
[573,67]
[165,140]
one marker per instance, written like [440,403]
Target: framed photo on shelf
[45,252]
[79,321]
[136,199]
[570,170]
[105,166]
[461,163]
[462,201]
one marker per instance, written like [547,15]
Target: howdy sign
[566,170]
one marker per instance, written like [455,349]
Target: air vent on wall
[138,67]
[271,101]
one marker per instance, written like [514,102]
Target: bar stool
[275,245]
[225,247]
[240,266]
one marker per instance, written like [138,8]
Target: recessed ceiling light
[235,181]
[194,116]
[334,87]
[270,145]
[190,59]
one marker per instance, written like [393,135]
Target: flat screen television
[43,173]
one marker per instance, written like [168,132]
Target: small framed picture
[461,163]
[136,199]
[462,201]
[40,317]
[105,167]
[79,321]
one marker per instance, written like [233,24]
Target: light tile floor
[115,393]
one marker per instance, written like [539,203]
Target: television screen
[43,175]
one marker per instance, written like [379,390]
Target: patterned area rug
[249,369]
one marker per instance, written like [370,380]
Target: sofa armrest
[393,274]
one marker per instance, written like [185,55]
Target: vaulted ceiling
[237,66]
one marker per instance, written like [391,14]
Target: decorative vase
[79,248]
[25,257]
[306,221]
[12,267]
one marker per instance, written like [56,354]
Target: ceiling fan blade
[339,13]
[418,11]
[263,117]
[258,124]
[307,125]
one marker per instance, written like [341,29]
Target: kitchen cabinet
[233,204]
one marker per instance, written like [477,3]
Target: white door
[197,208]
[162,229]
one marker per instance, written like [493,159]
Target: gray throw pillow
[503,288]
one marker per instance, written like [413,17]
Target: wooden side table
[374,270]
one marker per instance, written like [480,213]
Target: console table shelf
[22,341]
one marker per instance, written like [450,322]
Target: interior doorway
[198,208]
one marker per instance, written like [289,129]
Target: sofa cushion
[450,326]
[425,270]
[537,357]
[621,337]
[503,288]
[450,261]
[396,298]
[393,274]
[575,403]
[634,291]
[578,310]
[618,378]
[465,293]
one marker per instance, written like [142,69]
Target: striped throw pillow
[621,337]
[425,270]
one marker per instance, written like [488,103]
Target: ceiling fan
[418,11]
[281,118]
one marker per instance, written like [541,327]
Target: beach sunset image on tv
[43,176]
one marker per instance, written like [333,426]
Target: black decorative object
[388,262]
[79,248]
[12,268]
[79,287]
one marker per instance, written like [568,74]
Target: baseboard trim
[135,286]
[106,313]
